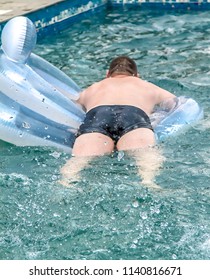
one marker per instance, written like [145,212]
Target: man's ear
[107,74]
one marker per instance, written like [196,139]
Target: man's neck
[118,75]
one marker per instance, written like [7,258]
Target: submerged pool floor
[109,214]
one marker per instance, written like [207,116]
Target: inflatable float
[38,101]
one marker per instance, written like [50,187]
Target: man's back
[124,90]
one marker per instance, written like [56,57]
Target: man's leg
[85,148]
[149,162]
[93,144]
[141,145]
[70,172]
[135,139]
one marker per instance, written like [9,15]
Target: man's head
[122,65]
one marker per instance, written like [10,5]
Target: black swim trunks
[114,120]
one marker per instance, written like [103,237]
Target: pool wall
[164,4]
[57,17]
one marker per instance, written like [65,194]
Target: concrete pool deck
[12,8]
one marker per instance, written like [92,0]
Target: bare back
[124,90]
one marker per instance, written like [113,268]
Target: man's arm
[164,98]
[80,101]
[168,104]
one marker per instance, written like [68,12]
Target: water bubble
[120,155]
[54,177]
[174,256]
[26,125]
[155,209]
[39,211]
[55,154]
[143,215]
[135,204]
[56,215]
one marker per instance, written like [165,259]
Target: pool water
[109,214]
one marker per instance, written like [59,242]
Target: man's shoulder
[97,84]
[91,88]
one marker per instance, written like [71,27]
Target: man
[117,115]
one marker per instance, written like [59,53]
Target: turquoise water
[109,214]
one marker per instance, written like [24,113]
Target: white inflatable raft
[38,101]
